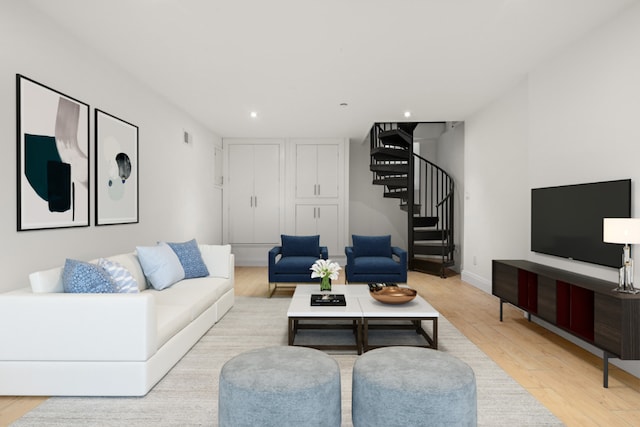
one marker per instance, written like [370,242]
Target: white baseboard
[479,282]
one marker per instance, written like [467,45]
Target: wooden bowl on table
[393,294]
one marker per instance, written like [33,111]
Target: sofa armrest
[273,254]
[70,327]
[232,269]
[324,252]
[401,254]
[348,250]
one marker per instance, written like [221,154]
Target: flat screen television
[566,221]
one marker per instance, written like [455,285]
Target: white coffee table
[363,311]
[300,309]
[398,316]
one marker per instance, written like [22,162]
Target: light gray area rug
[188,394]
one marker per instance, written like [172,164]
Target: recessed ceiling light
[254,114]
[407,114]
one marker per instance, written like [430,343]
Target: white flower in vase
[327,270]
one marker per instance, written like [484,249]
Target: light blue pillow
[124,282]
[191,259]
[160,265]
[83,277]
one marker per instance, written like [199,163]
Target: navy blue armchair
[291,262]
[372,259]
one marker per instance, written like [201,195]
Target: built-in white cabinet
[319,189]
[317,171]
[322,220]
[254,194]
[296,186]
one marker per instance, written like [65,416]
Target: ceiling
[295,61]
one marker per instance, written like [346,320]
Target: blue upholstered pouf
[412,386]
[280,386]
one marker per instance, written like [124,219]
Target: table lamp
[625,231]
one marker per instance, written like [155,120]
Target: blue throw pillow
[83,277]
[300,245]
[160,265]
[372,246]
[191,259]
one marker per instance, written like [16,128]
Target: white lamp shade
[621,230]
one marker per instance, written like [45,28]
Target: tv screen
[566,221]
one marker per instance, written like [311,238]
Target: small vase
[325,285]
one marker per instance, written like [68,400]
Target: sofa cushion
[300,246]
[370,265]
[195,295]
[216,258]
[190,258]
[171,319]
[160,264]
[120,276]
[372,246]
[83,277]
[294,264]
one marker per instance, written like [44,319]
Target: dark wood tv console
[583,306]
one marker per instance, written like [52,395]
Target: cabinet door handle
[256,201]
[251,201]
[318,213]
[318,191]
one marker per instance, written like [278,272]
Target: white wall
[584,108]
[574,120]
[450,157]
[177,198]
[496,186]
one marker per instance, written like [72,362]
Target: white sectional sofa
[61,344]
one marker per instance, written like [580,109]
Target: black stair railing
[425,191]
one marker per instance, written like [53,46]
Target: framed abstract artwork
[116,170]
[52,158]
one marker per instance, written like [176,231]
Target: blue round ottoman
[412,386]
[280,386]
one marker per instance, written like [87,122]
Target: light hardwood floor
[562,376]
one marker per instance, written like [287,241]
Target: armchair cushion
[305,246]
[376,269]
[375,265]
[372,246]
[294,265]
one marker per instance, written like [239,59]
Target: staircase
[424,190]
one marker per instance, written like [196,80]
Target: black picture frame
[53,176]
[116,170]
